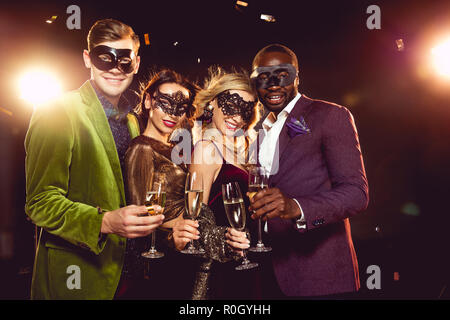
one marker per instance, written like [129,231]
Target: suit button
[318,222]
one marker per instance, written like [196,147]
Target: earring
[208,113]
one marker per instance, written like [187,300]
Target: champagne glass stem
[153,242]
[259,231]
[244,255]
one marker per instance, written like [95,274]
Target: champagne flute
[258,179]
[152,198]
[236,214]
[193,197]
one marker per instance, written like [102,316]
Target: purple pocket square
[297,127]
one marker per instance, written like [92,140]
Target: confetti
[146,39]
[175,43]
[396,276]
[242,3]
[400,44]
[53,18]
[198,60]
[268,18]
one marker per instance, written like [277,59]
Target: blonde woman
[228,105]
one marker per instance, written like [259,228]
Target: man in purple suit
[317,182]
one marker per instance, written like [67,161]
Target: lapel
[302,107]
[98,118]
[299,109]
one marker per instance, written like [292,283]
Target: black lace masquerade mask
[233,104]
[106,58]
[281,75]
[175,104]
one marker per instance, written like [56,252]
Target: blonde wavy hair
[218,81]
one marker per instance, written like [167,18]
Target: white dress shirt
[269,149]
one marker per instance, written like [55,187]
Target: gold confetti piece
[396,276]
[400,44]
[53,18]
[268,18]
[9,113]
[242,3]
[147,40]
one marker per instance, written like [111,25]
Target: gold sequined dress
[149,161]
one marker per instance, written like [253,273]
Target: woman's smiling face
[229,124]
[163,122]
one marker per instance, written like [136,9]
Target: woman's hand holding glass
[236,214]
[193,199]
[185,231]
[237,240]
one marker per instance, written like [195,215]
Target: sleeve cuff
[300,223]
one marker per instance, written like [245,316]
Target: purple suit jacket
[324,171]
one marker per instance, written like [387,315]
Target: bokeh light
[441,58]
[38,86]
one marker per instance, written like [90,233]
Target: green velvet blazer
[72,169]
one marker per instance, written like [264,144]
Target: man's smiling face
[112,83]
[276,97]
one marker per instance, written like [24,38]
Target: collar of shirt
[113,113]
[271,118]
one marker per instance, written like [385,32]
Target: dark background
[401,109]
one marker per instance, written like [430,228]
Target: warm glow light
[267,17]
[441,58]
[39,86]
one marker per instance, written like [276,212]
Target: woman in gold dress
[165,105]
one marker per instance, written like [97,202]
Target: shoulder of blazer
[327,104]
[88,95]
[305,105]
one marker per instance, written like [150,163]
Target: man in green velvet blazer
[75,187]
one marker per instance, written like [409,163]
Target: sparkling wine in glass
[236,214]
[258,179]
[193,197]
[152,198]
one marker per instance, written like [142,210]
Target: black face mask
[281,75]
[233,104]
[106,58]
[175,104]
